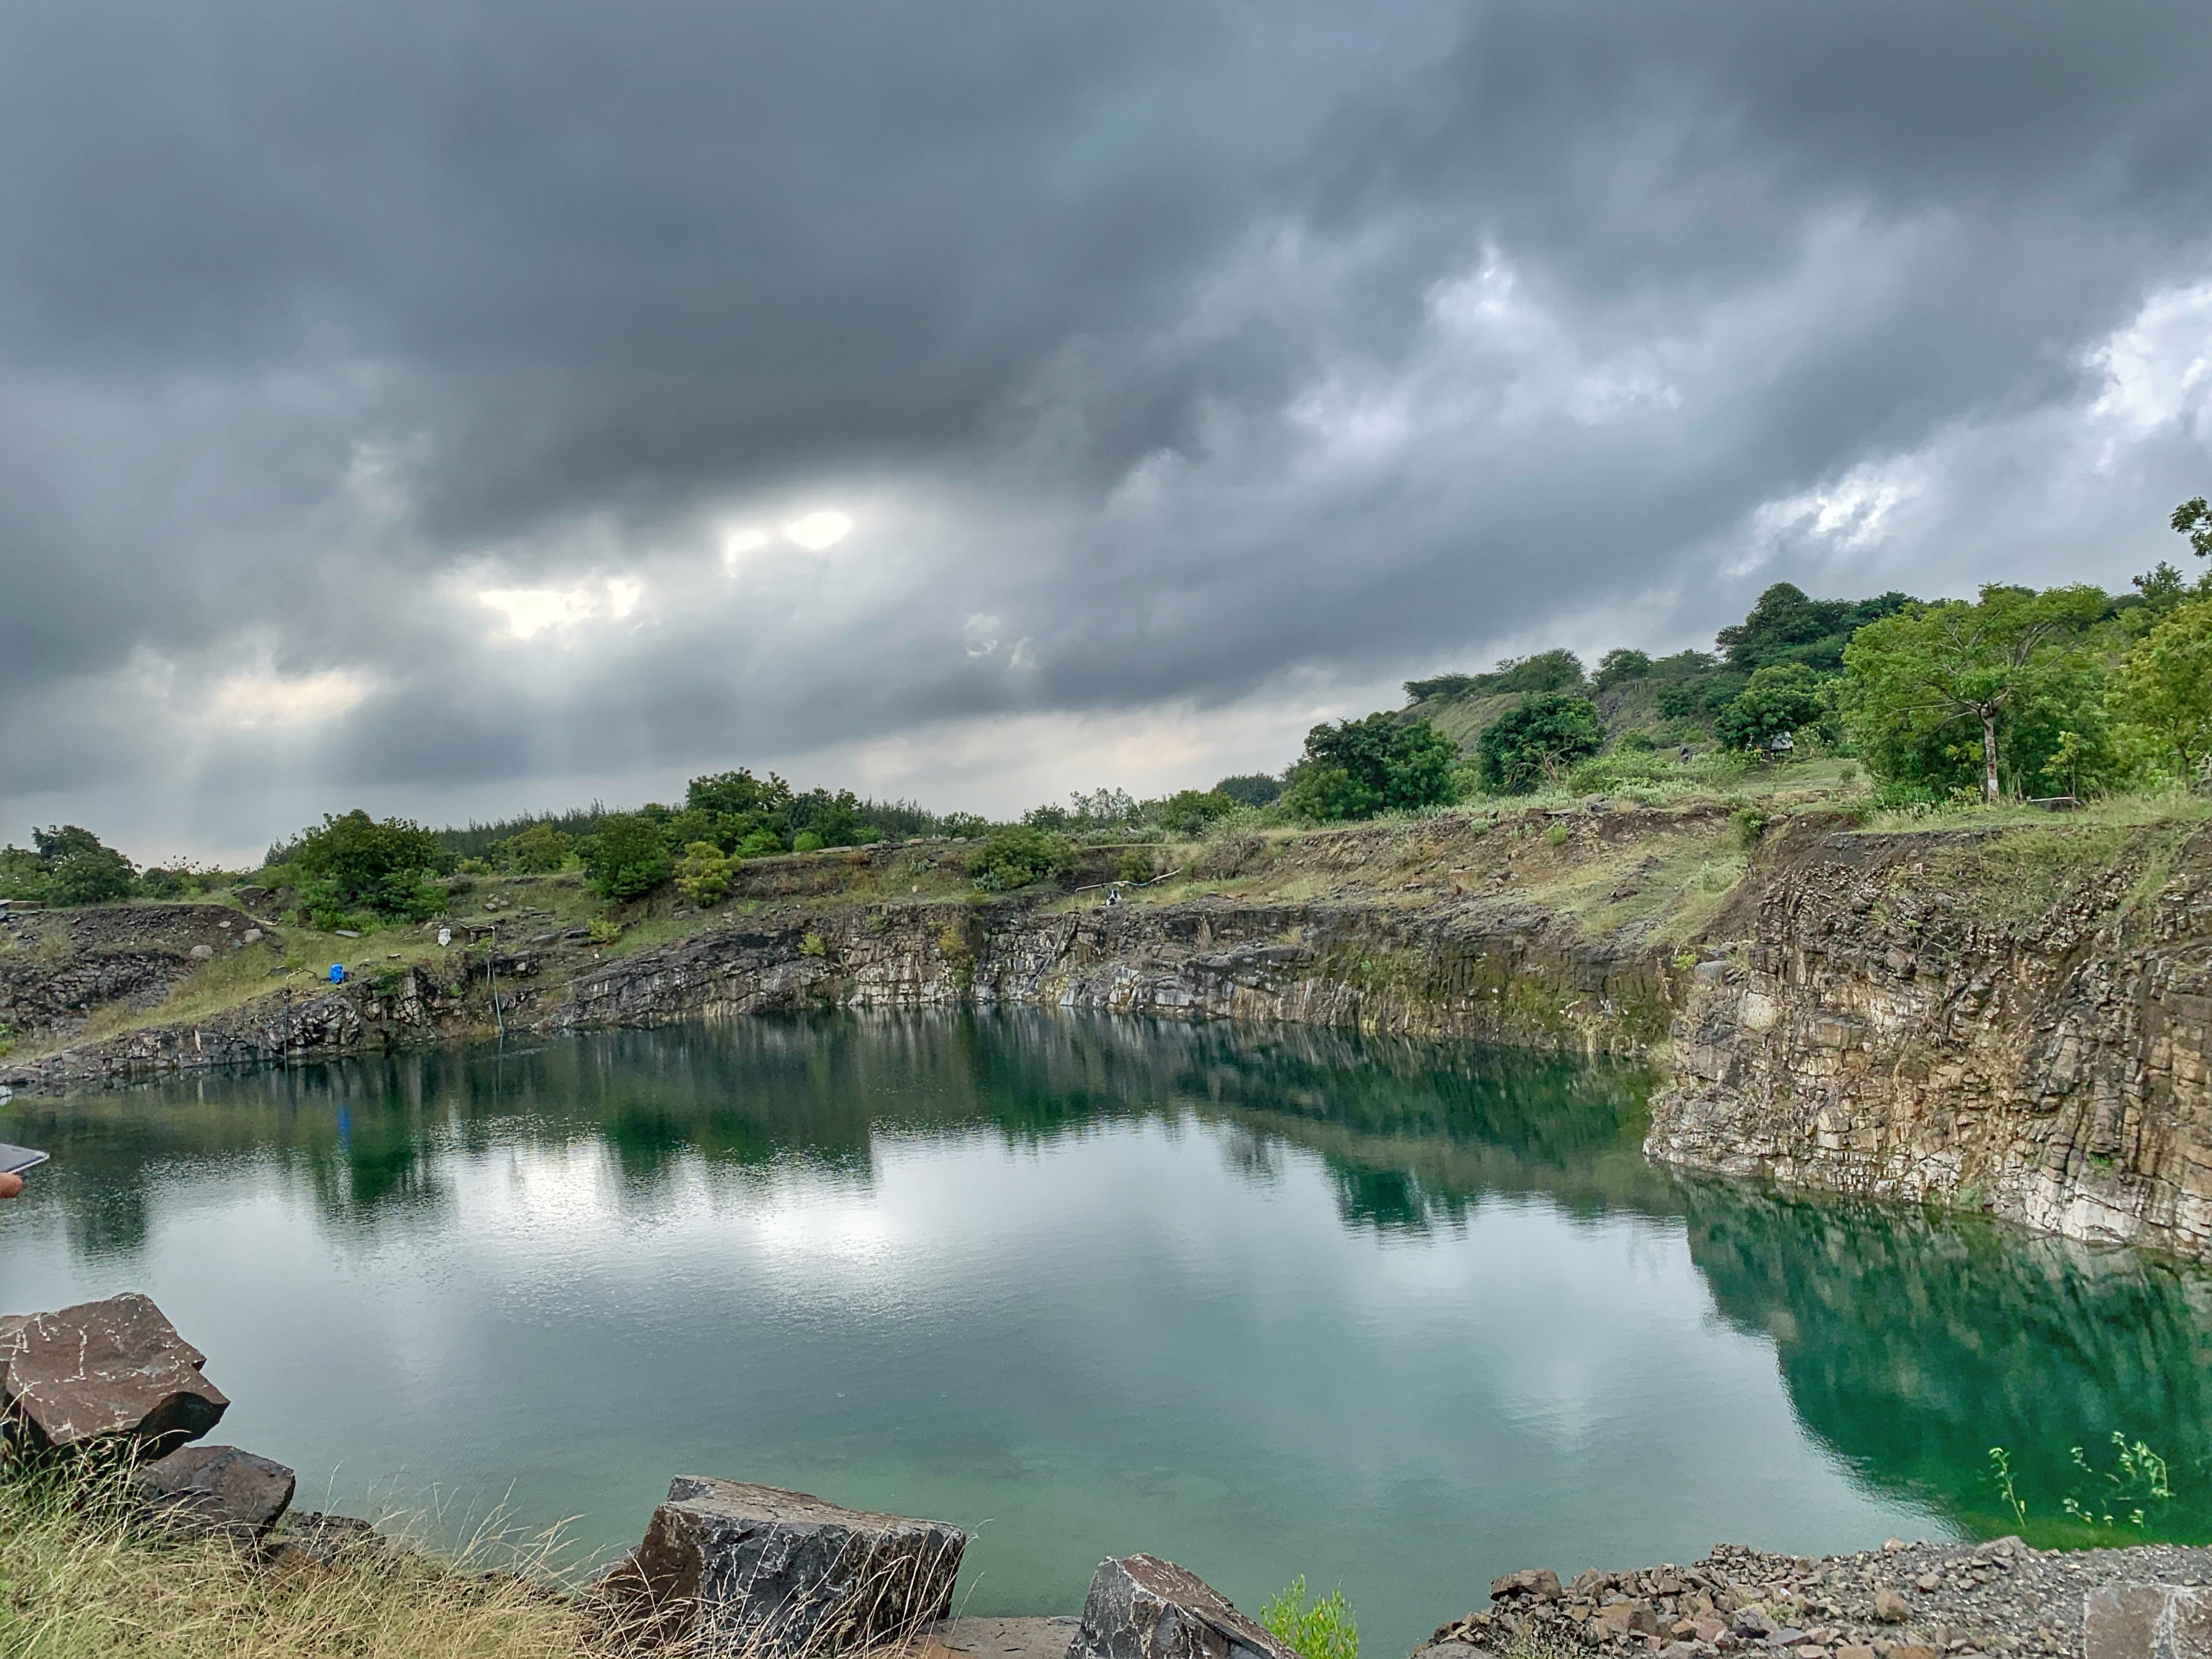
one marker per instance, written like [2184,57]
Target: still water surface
[1266,1302]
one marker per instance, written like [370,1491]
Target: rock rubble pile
[1901,1601]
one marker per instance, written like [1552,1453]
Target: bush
[354,866]
[702,874]
[1019,857]
[1358,769]
[1323,1629]
[806,842]
[538,850]
[1780,699]
[1189,812]
[1537,743]
[624,858]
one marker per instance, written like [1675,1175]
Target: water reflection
[1908,1344]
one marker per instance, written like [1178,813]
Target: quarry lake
[1265,1301]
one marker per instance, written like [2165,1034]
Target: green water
[1393,1316]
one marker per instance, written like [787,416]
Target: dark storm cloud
[1159,350]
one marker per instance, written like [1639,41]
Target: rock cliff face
[2014,1021]
[1528,980]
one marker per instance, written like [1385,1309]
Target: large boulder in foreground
[216,1489]
[104,1371]
[1142,1607]
[758,1570]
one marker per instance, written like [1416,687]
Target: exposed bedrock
[2006,1021]
[1528,980]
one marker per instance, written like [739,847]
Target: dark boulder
[108,1370]
[1142,1607]
[216,1489]
[758,1570]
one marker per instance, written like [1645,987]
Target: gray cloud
[1165,357]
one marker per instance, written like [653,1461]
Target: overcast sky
[466,406]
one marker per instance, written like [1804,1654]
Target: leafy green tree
[66,865]
[356,863]
[1618,667]
[2193,519]
[1019,856]
[2006,662]
[538,850]
[2165,687]
[1357,768]
[1251,788]
[1780,698]
[1785,626]
[625,857]
[1523,748]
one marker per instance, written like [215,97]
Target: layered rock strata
[1966,1018]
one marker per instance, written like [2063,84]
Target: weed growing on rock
[1319,1630]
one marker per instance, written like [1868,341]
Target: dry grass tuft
[81,1579]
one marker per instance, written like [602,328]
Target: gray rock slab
[2147,1621]
[216,1489]
[104,1371]
[762,1571]
[1142,1607]
[996,1638]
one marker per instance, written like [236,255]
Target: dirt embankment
[2018,1020]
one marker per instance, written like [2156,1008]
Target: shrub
[538,850]
[625,858]
[1747,825]
[1780,699]
[1019,856]
[702,874]
[1134,866]
[1536,743]
[1358,769]
[1321,1630]
[806,842]
[1189,812]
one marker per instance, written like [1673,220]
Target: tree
[1251,788]
[1785,626]
[1618,667]
[74,868]
[1537,742]
[357,863]
[2165,687]
[1356,769]
[1910,676]
[1779,699]
[625,858]
[2193,519]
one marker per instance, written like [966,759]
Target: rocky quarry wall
[2017,1020]
[2013,1021]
